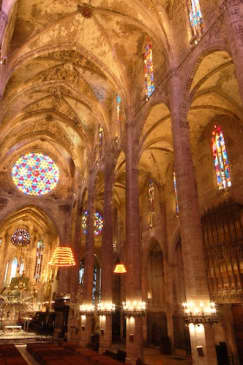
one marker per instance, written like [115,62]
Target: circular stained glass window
[35,174]
[98,222]
[20,238]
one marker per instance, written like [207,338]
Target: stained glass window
[98,222]
[196,18]
[21,237]
[81,272]
[151,198]
[148,70]
[220,157]
[39,259]
[118,107]
[35,174]
[176,195]
[14,268]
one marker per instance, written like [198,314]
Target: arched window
[220,158]
[118,108]
[38,260]
[148,70]
[176,195]
[196,18]
[81,272]
[14,267]
[6,273]
[151,199]
[21,268]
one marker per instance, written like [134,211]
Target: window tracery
[35,174]
[98,222]
[220,158]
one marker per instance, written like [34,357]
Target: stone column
[63,277]
[234,21]
[74,326]
[192,244]
[107,256]
[86,319]
[134,334]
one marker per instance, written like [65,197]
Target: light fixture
[134,308]
[86,309]
[120,268]
[105,308]
[200,312]
[62,257]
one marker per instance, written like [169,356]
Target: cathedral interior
[121,220]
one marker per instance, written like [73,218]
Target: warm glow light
[134,306]
[87,308]
[106,307]
[62,257]
[120,269]
[199,308]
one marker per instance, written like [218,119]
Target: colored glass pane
[151,198]
[220,157]
[21,237]
[148,70]
[35,174]
[98,222]
[118,107]
[176,195]
[196,18]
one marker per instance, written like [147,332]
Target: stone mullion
[234,17]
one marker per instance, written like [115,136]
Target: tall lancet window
[118,108]
[176,194]
[151,199]
[101,139]
[148,70]
[220,158]
[196,18]
[39,259]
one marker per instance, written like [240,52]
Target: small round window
[35,174]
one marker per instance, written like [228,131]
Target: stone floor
[151,357]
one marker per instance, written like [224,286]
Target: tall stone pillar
[134,323]
[63,274]
[74,326]
[87,316]
[196,287]
[234,19]
[107,258]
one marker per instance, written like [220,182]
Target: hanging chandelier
[21,237]
[62,257]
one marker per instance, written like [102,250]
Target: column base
[105,334]
[203,344]
[86,331]
[134,339]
